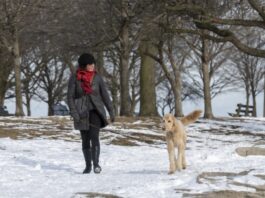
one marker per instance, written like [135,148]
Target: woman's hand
[112,119]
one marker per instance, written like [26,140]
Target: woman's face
[90,67]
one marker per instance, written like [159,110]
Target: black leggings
[91,135]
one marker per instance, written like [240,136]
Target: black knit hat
[86,59]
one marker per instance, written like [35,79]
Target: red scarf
[86,78]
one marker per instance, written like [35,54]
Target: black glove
[112,119]
[84,114]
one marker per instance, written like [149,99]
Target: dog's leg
[180,154]
[171,155]
[184,164]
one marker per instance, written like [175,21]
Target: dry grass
[61,122]
[227,194]
[144,122]
[13,134]
[123,142]
[134,119]
[212,177]
[95,195]
[246,151]
[61,128]
[135,139]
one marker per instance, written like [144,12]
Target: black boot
[95,157]
[87,156]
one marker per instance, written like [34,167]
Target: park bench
[243,110]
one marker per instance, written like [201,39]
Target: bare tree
[147,79]
[172,57]
[97,26]
[53,82]
[5,72]
[13,19]
[211,61]
[126,19]
[31,72]
[206,80]
[166,100]
[134,82]
[111,71]
[217,17]
[250,71]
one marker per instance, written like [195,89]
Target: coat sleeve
[70,98]
[105,97]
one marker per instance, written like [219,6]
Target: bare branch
[260,9]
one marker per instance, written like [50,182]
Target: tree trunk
[28,105]
[17,62]
[100,62]
[124,82]
[264,97]
[2,95]
[177,86]
[253,99]
[72,68]
[177,89]
[115,100]
[206,81]
[247,98]
[3,85]
[147,80]
[124,62]
[133,100]
[254,105]
[50,106]
[175,82]
[252,87]
[50,109]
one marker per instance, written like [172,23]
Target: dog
[176,137]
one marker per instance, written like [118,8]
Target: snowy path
[45,164]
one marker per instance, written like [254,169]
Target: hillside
[41,157]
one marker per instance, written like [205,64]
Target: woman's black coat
[80,103]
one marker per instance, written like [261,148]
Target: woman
[87,95]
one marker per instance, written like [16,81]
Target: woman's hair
[86,59]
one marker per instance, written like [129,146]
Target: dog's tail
[190,118]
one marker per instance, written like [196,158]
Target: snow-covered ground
[41,157]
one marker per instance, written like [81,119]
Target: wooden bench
[243,110]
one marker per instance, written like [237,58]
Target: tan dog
[176,137]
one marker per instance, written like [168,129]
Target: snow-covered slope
[41,157]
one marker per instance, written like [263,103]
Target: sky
[221,105]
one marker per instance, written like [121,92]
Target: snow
[51,165]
